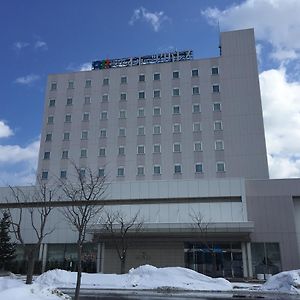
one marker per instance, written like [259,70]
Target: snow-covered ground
[141,278]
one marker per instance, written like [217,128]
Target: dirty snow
[144,277]
[284,282]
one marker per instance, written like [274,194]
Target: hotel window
[141,78]
[123,96]
[141,130]
[217,106]
[197,146]
[156,76]
[48,137]
[156,111]
[103,133]
[196,108]
[219,145]
[196,90]
[195,73]
[216,88]
[45,175]
[71,85]
[156,94]
[103,115]
[83,153]
[176,128]
[121,171]
[214,70]
[47,155]
[105,81]
[123,79]
[121,150]
[122,114]
[52,103]
[140,171]
[196,127]
[88,83]
[84,135]
[156,129]
[199,168]
[175,74]
[176,109]
[105,98]
[69,101]
[65,154]
[141,112]
[68,118]
[176,147]
[220,166]
[156,170]
[101,172]
[156,148]
[63,174]
[176,92]
[218,125]
[140,149]
[177,169]
[86,117]
[122,132]
[66,136]
[87,100]
[81,173]
[102,152]
[50,120]
[141,95]
[53,86]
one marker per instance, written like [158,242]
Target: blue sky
[42,37]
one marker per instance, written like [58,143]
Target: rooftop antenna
[219,32]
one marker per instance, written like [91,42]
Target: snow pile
[12,288]
[144,277]
[284,282]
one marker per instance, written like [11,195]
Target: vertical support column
[249,255]
[44,257]
[245,262]
[98,258]
[102,256]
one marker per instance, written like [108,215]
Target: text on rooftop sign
[142,60]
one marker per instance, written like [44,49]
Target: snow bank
[144,277]
[13,288]
[284,282]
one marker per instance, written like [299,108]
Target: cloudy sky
[42,37]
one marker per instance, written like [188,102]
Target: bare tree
[83,193]
[202,225]
[118,225]
[36,203]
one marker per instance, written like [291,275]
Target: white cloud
[275,21]
[85,67]
[41,45]
[28,79]
[155,19]
[5,131]
[281,109]
[18,164]
[20,45]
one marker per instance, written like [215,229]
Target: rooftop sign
[142,60]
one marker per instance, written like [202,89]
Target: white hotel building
[173,138]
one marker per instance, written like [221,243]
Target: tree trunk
[79,270]
[214,262]
[30,268]
[123,262]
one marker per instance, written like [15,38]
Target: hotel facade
[174,136]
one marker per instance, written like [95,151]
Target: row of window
[219,145]
[198,168]
[141,78]
[218,126]
[196,108]
[140,95]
